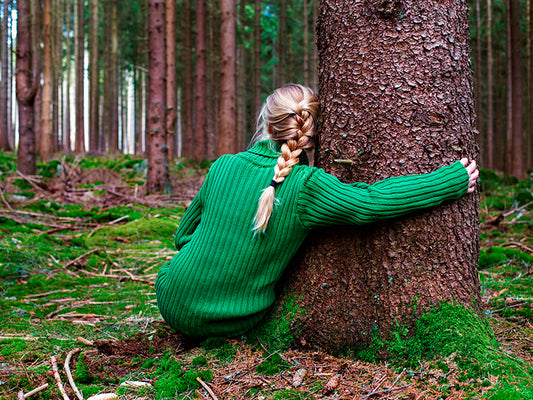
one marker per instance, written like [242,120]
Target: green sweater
[222,280]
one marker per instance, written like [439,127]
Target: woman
[232,251]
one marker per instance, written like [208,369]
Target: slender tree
[80,93]
[200,86]
[94,75]
[171,77]
[227,134]
[281,71]
[156,115]
[357,283]
[46,146]
[188,82]
[113,79]
[490,97]
[515,164]
[26,89]
[4,87]
[57,73]
[37,61]
[257,57]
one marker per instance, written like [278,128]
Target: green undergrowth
[454,337]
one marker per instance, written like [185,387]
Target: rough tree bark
[171,77]
[46,146]
[490,97]
[156,121]
[26,89]
[227,130]
[94,78]
[4,91]
[396,96]
[199,151]
[37,61]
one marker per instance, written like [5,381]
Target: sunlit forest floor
[80,247]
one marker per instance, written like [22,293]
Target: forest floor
[80,247]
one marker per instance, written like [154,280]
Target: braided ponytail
[290,114]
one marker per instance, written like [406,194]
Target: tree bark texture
[171,77]
[4,87]
[36,60]
[257,57]
[156,120]
[94,78]
[46,146]
[57,77]
[396,96]
[80,93]
[281,76]
[26,89]
[227,130]
[200,87]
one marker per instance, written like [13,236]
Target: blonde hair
[289,117]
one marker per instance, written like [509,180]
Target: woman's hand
[473,173]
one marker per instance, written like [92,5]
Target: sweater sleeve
[324,200]
[190,220]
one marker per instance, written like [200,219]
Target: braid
[296,128]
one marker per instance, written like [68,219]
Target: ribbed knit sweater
[221,282]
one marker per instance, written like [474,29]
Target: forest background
[90,60]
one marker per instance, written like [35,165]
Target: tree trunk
[213,74]
[490,98]
[509,86]
[412,114]
[227,129]
[57,54]
[94,78]
[66,115]
[156,121]
[171,77]
[80,119]
[46,147]
[4,87]
[307,75]
[517,160]
[315,48]
[529,144]
[188,82]
[477,83]
[26,89]
[37,61]
[257,57]
[200,87]
[113,80]
[242,93]
[281,77]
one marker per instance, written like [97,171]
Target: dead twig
[86,342]
[31,393]
[69,375]
[58,379]
[71,262]
[204,385]
[520,245]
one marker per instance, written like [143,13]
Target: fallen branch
[211,393]
[86,342]
[58,379]
[36,390]
[71,262]
[520,245]
[69,375]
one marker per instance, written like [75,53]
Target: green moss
[198,361]
[272,365]
[275,331]
[220,347]
[13,346]
[493,256]
[82,371]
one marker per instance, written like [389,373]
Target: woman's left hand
[473,173]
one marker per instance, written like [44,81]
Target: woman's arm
[324,200]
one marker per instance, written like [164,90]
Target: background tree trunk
[315,48]
[490,97]
[188,82]
[517,160]
[113,79]
[413,114]
[227,130]
[257,57]
[156,121]
[66,115]
[94,78]
[171,77]
[26,89]
[281,76]
[57,66]
[4,86]
[46,147]
[80,93]
[200,87]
